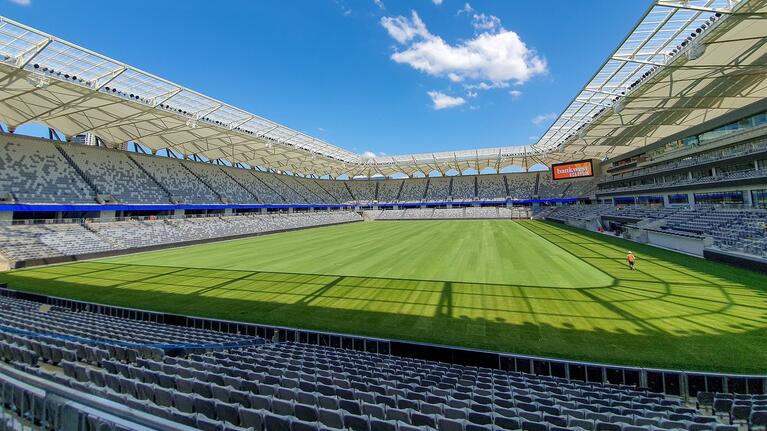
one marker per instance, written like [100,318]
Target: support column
[107,214]
[179,213]
[6,215]
[747,198]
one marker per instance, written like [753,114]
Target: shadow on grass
[639,320]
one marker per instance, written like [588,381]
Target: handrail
[110,411]
[404,348]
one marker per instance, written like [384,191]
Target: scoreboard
[570,170]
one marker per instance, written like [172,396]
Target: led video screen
[579,169]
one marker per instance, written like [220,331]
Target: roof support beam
[636,60]
[137,114]
[686,6]
[91,93]
[21,63]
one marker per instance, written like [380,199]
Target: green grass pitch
[525,287]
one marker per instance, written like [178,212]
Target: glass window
[760,119]
[623,200]
[719,198]
[759,198]
[702,138]
[651,200]
[681,198]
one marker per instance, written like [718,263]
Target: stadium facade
[665,145]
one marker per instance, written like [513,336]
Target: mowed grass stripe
[525,287]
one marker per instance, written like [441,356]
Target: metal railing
[682,383]
[29,402]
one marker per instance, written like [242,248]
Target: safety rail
[681,383]
[35,403]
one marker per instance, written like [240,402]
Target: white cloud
[321,129]
[516,94]
[486,23]
[347,12]
[533,138]
[471,94]
[497,56]
[486,85]
[543,118]
[466,9]
[22,2]
[404,30]
[437,2]
[442,100]
[380,4]
[473,107]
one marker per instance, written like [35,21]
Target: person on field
[631,259]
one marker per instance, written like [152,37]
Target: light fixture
[38,81]
[618,106]
[695,51]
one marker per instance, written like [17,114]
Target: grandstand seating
[521,186]
[23,242]
[549,188]
[218,381]
[271,189]
[413,190]
[450,213]
[491,187]
[49,172]
[719,154]
[581,188]
[338,190]
[34,170]
[321,195]
[221,183]
[363,190]
[738,230]
[439,189]
[388,191]
[286,187]
[748,409]
[19,242]
[700,180]
[178,179]
[114,173]
[463,188]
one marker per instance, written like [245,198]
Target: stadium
[170,261]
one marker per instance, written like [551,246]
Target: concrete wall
[686,244]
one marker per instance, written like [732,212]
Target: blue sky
[383,76]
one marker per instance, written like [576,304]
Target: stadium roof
[686,61]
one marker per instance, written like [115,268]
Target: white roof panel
[76,90]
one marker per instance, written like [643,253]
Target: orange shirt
[631,258]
